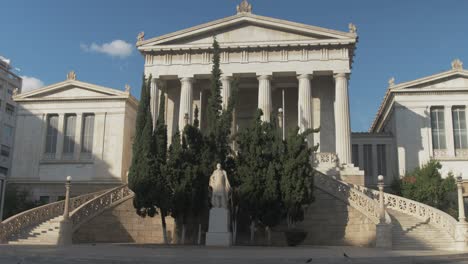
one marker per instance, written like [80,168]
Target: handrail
[355,198]
[94,207]
[35,216]
[434,216]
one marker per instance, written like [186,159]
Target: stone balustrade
[426,213]
[350,195]
[15,224]
[94,207]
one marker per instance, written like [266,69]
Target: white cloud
[116,48]
[31,83]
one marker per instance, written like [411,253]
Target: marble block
[218,230]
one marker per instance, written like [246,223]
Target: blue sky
[406,39]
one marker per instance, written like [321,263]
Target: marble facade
[301,69]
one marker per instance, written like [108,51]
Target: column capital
[341,75]
[305,76]
[226,77]
[264,77]
[187,79]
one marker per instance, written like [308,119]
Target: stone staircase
[411,233]
[46,233]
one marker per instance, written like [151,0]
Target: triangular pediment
[69,90]
[247,28]
[453,79]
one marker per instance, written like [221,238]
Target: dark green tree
[162,193]
[258,169]
[297,181]
[426,185]
[140,178]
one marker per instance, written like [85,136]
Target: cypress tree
[140,177]
[297,179]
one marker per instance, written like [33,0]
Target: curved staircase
[41,225]
[410,233]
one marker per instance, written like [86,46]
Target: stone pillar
[304,103]
[461,231]
[225,90]
[264,96]
[79,125]
[186,101]
[154,101]
[461,204]
[449,131]
[66,226]
[342,122]
[60,137]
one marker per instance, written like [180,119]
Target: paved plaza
[128,253]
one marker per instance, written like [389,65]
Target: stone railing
[433,216]
[350,195]
[326,159]
[15,224]
[94,207]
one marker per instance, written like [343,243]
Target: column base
[65,233]
[219,239]
[461,231]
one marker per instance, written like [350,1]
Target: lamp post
[281,121]
[66,226]
[66,210]
[461,204]
[380,184]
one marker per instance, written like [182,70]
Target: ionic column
[304,104]
[225,90]
[264,96]
[154,101]
[342,124]
[186,101]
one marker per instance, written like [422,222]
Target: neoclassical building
[72,128]
[301,69]
[418,120]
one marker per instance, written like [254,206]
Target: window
[51,136]
[367,162]
[459,128]
[60,198]
[5,151]
[69,135]
[438,128]
[3,171]
[10,92]
[9,109]
[87,134]
[355,154]
[381,160]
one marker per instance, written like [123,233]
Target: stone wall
[328,221]
[122,225]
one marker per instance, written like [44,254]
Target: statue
[352,28]
[244,7]
[127,88]
[71,75]
[457,64]
[15,92]
[221,188]
[391,82]
[141,36]
[218,228]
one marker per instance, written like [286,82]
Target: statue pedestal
[218,231]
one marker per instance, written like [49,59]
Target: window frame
[438,129]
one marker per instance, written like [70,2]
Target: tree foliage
[297,181]
[259,169]
[141,178]
[426,185]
